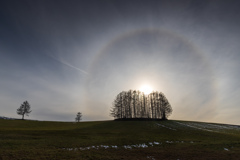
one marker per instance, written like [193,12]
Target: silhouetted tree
[78,117]
[24,109]
[135,104]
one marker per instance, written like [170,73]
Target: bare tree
[78,117]
[24,109]
[129,99]
[135,104]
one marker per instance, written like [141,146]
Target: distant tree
[78,117]
[24,109]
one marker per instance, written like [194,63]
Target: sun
[146,89]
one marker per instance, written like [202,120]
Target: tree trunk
[151,105]
[134,105]
[164,115]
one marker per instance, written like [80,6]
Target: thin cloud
[67,64]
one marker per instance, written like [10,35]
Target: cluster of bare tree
[135,104]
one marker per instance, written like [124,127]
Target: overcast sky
[69,56]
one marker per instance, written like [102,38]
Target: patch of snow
[104,146]
[210,127]
[192,126]
[115,147]
[233,126]
[226,149]
[169,141]
[166,127]
[217,126]
[127,147]
[157,143]
[143,145]
[150,157]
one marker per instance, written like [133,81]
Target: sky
[69,56]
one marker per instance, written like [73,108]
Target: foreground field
[146,140]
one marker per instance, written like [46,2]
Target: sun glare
[146,89]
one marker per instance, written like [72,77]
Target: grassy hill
[146,140]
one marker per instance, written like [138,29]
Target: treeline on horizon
[135,104]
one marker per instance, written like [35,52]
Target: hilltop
[147,140]
[3,117]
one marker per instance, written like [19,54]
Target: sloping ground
[147,140]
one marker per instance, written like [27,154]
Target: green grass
[179,140]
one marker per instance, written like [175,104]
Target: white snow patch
[217,126]
[115,146]
[143,145]
[226,149]
[127,147]
[104,146]
[192,126]
[166,127]
[169,141]
[232,127]
[157,143]
[150,157]
[210,127]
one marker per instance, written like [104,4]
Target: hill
[147,140]
[2,117]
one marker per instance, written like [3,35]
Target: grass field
[146,140]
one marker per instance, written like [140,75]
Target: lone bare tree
[24,109]
[78,117]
